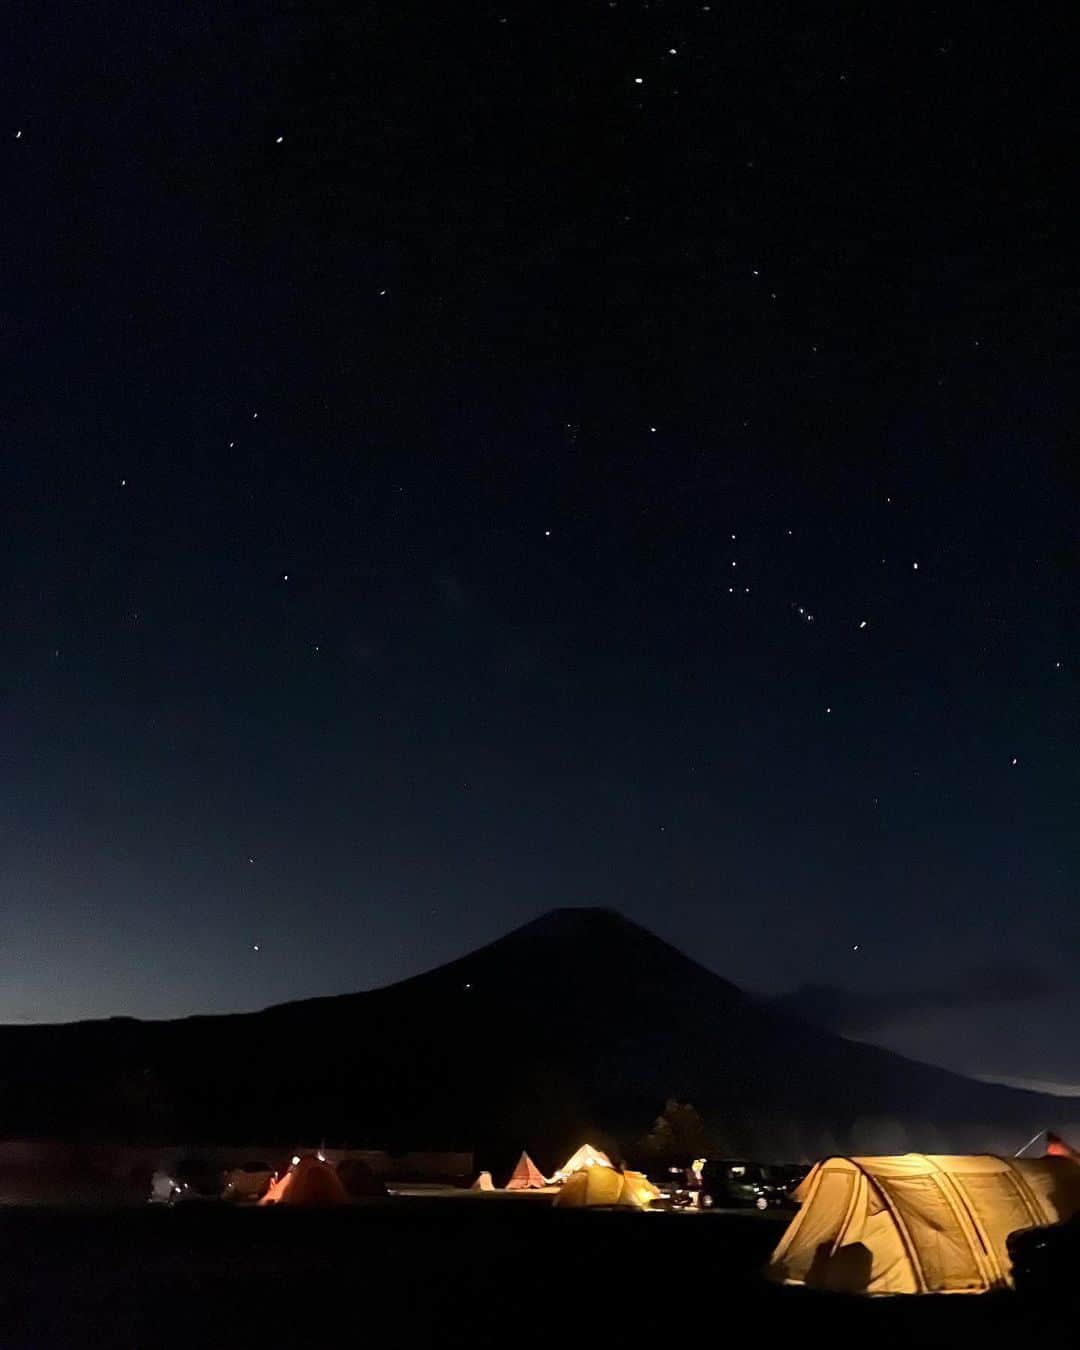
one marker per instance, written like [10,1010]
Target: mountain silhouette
[580,1023]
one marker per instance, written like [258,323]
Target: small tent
[310,1183]
[526,1176]
[603,1188]
[917,1223]
[483,1183]
[1056,1147]
[586,1156]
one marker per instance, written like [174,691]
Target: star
[672,52]
[638,80]
[254,417]
[828,710]
[279,140]
[1014,759]
[316,650]
[285,577]
[18,135]
[863,624]
[547,534]
[123,482]
[232,445]
[914,567]
[855,948]
[255,947]
[652,428]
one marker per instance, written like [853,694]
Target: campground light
[296,1159]
[321,1156]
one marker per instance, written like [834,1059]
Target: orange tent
[310,1183]
[526,1176]
[483,1183]
[1056,1147]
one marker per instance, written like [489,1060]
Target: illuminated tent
[310,1183]
[483,1183]
[1056,1147]
[526,1176]
[586,1156]
[602,1187]
[919,1224]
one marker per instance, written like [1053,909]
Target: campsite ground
[439,1272]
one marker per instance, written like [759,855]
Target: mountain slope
[578,1022]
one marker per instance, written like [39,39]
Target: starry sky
[462,460]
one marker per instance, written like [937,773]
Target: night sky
[465,459]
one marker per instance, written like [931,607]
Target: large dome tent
[919,1223]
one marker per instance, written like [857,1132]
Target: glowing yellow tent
[603,1187]
[919,1224]
[586,1156]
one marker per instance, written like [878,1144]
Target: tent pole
[1029,1143]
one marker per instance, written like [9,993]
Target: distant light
[672,52]
[855,948]
[915,566]
[652,428]
[828,710]
[279,140]
[295,1159]
[863,624]
[468,986]
[638,80]
[547,534]
[285,577]
[1014,760]
[123,482]
[254,417]
[382,292]
[321,1156]
[18,135]
[255,947]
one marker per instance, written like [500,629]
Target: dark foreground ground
[447,1273]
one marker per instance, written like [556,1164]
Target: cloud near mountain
[855,1012]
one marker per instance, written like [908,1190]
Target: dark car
[248,1182]
[1046,1260]
[677,1185]
[736,1183]
[193,1180]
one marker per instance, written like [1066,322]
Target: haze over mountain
[578,1024]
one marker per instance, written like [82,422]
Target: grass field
[444,1272]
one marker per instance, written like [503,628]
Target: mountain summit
[579,1023]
